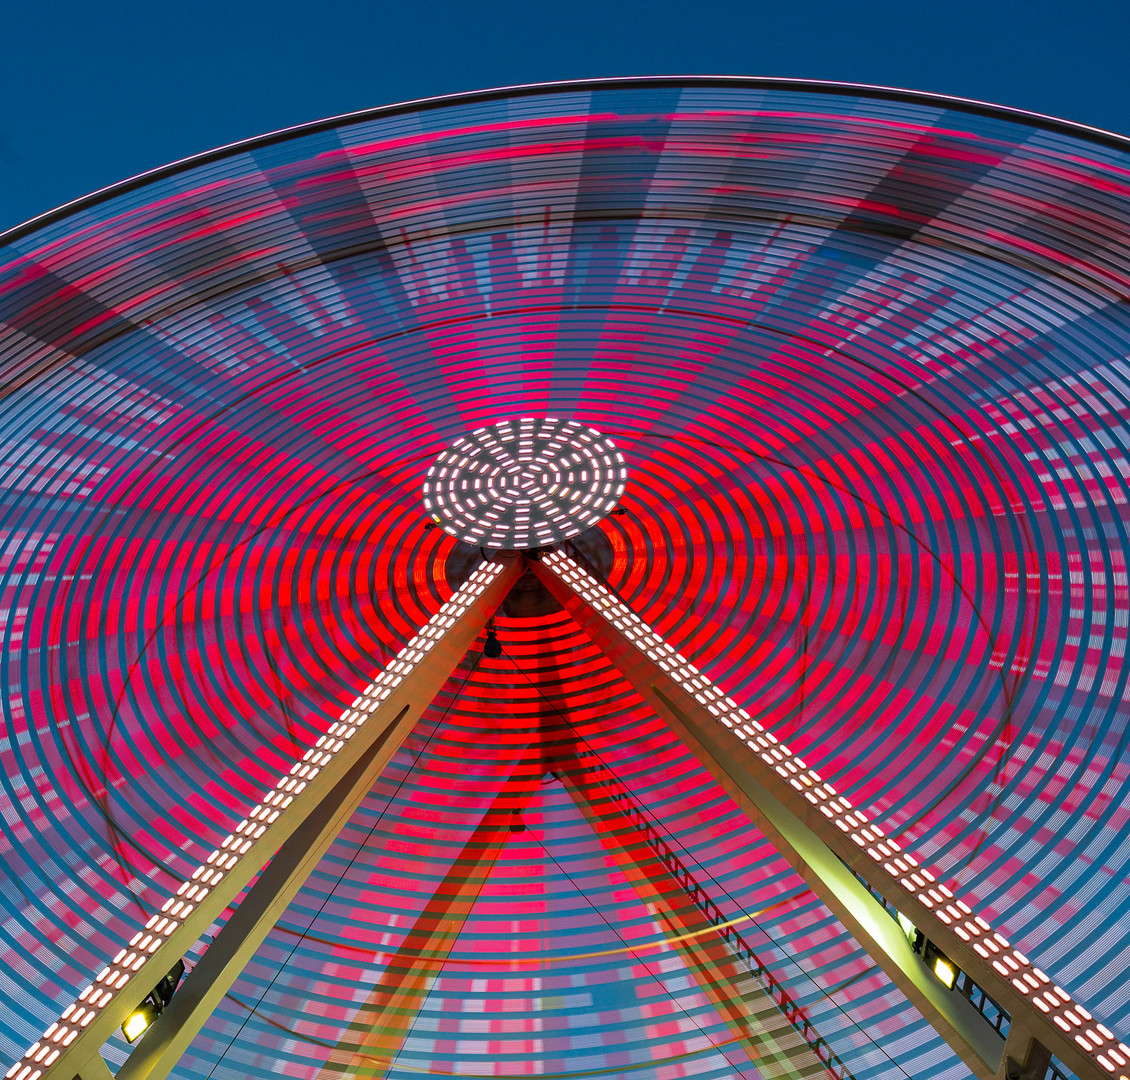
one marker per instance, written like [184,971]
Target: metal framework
[833,845]
[763,1027]
[308,806]
[815,827]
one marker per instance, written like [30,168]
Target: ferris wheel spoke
[298,818]
[764,1019]
[846,858]
[382,1024]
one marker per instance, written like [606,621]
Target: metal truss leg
[753,1016]
[325,786]
[384,1021]
[823,835]
[95,1069]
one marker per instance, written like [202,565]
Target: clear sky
[91,93]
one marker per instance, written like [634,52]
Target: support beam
[951,1015]
[377,718]
[752,1015]
[383,1022]
[815,828]
[1025,1057]
[194,1002]
[95,1069]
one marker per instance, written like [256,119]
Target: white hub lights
[525,483]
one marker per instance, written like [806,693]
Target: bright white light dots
[1095,1039]
[525,483]
[43,1054]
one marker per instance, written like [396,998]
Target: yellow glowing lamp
[945,971]
[908,927]
[138,1021]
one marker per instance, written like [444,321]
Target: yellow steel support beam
[354,749]
[822,834]
[383,1022]
[759,1030]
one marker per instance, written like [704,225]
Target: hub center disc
[525,483]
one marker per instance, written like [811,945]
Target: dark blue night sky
[93,93]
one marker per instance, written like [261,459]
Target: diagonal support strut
[822,835]
[320,790]
[383,1023]
[761,1027]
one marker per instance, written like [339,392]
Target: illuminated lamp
[945,971]
[941,965]
[138,1021]
[153,1004]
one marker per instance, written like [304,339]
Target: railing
[1058,1071]
[988,1007]
[995,1015]
[792,1010]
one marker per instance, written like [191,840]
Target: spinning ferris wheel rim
[612,82]
[770,490]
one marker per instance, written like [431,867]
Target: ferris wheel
[595,579]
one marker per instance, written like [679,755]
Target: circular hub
[525,483]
